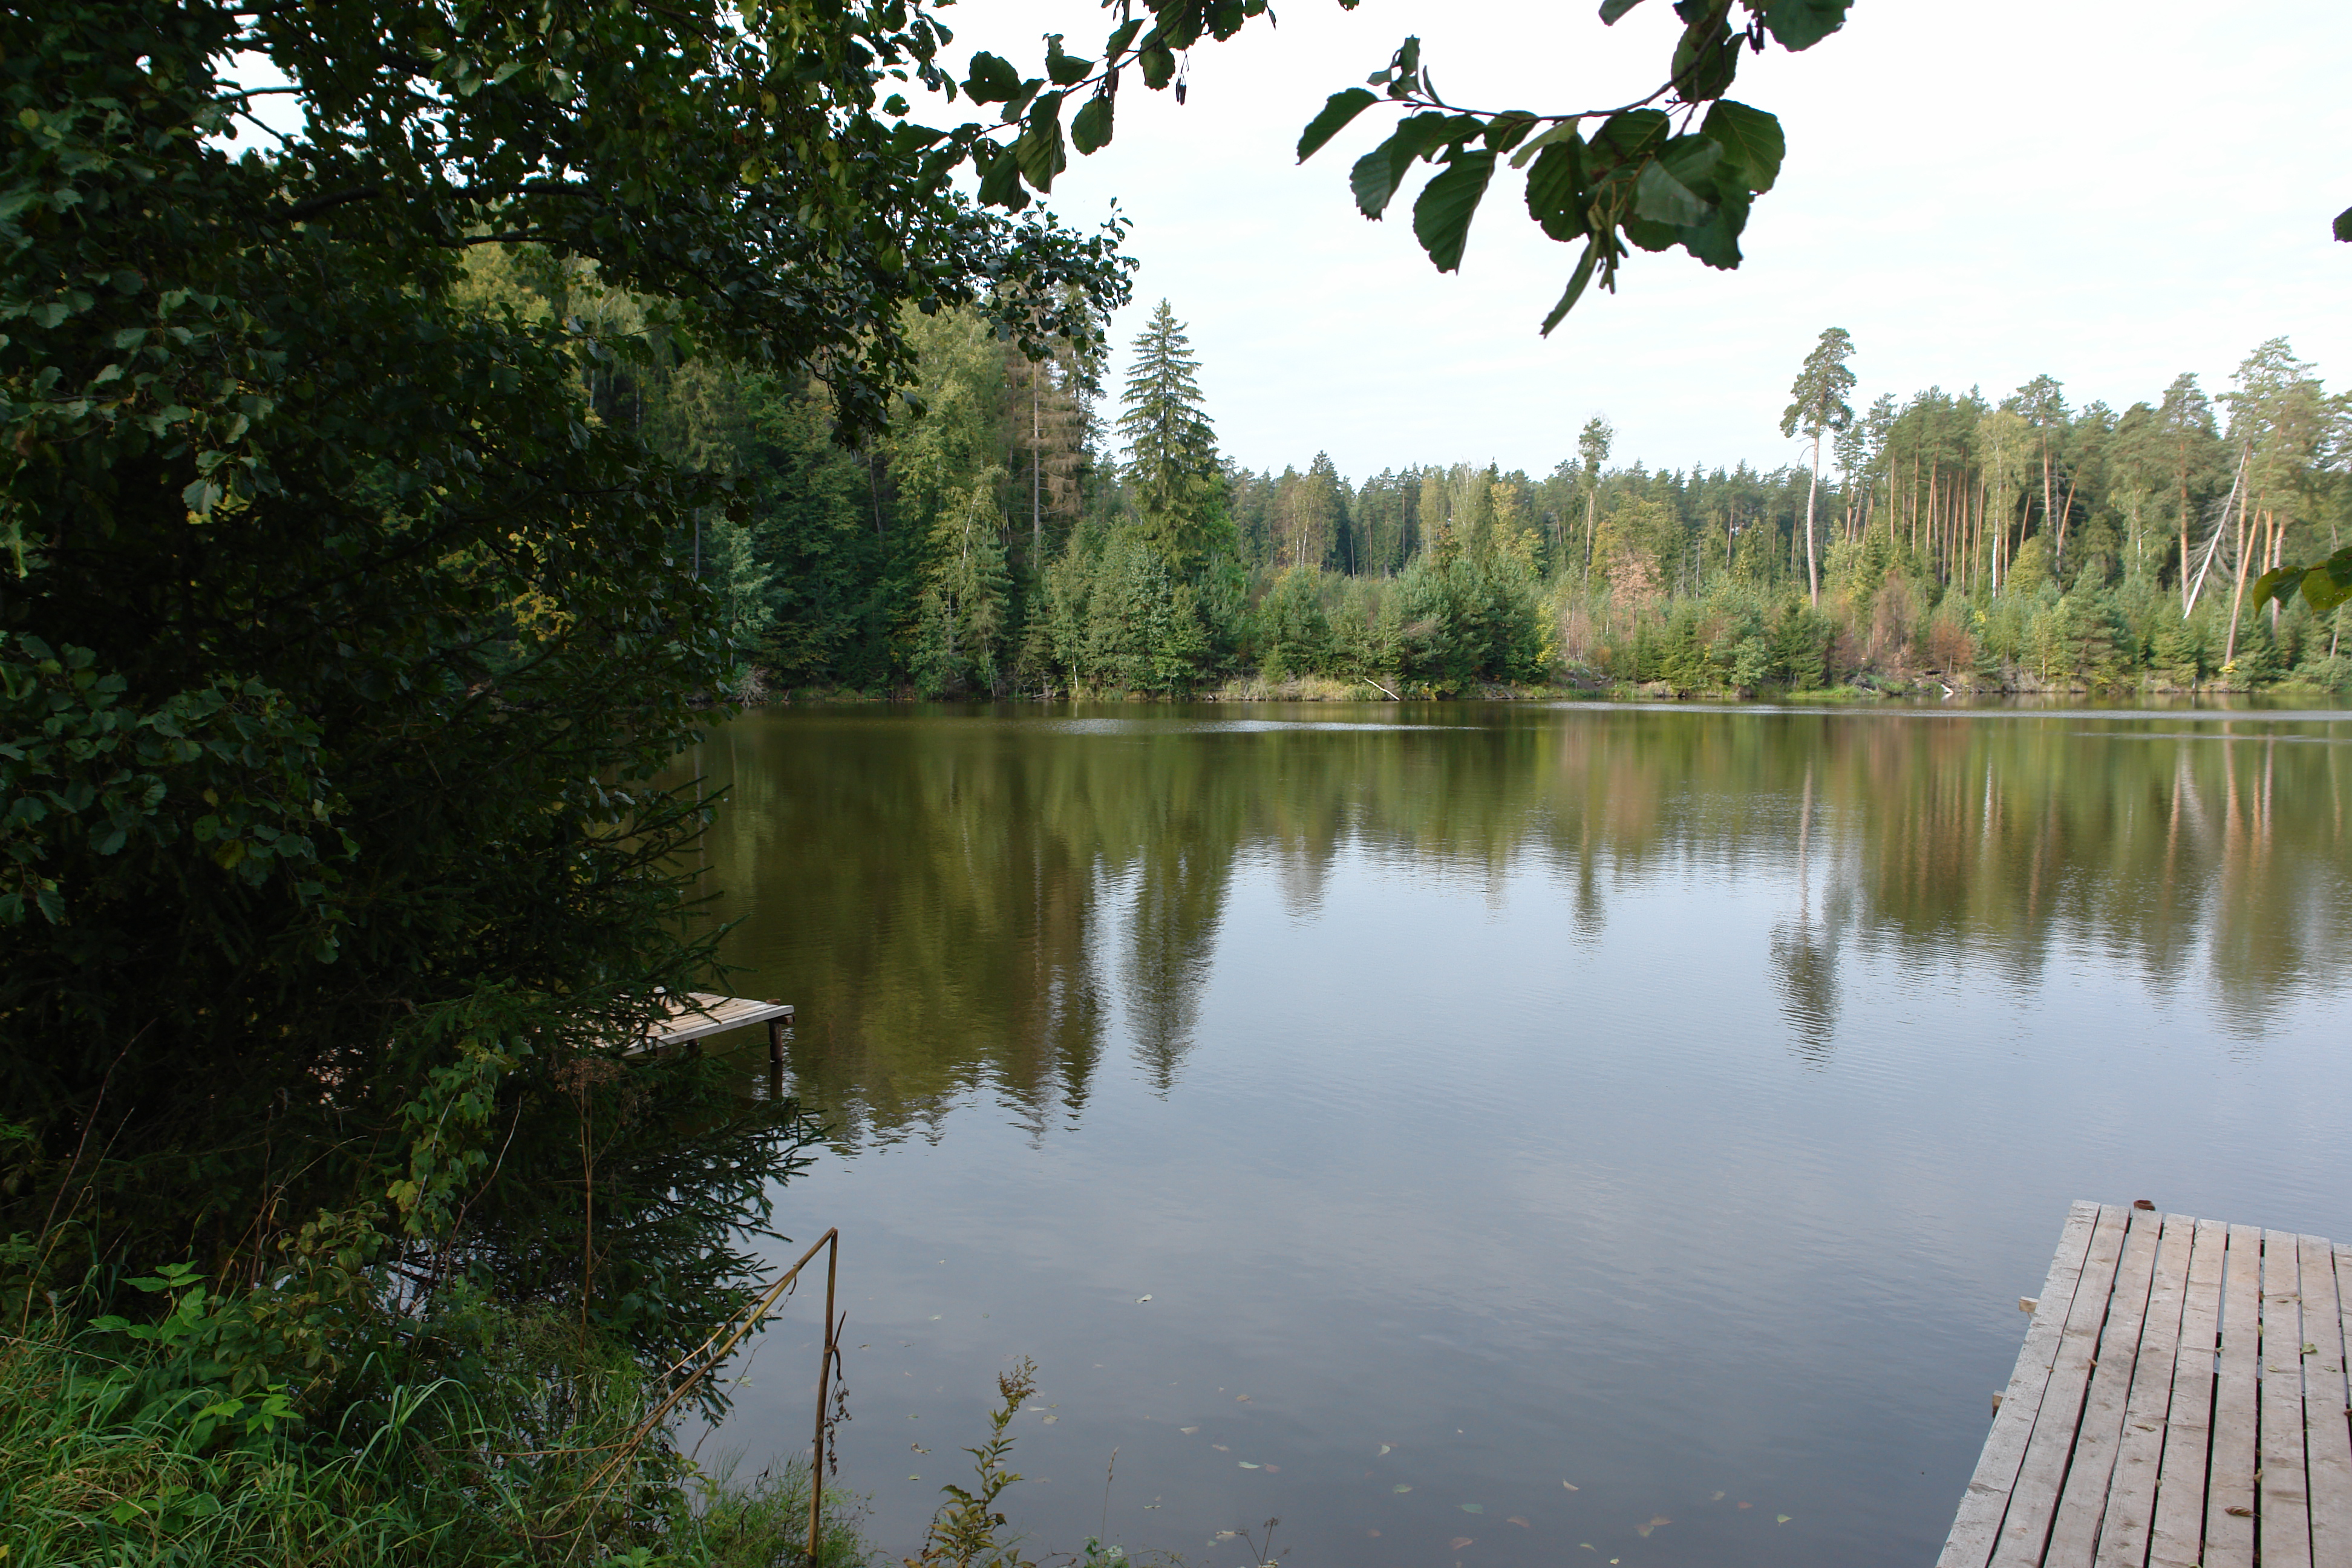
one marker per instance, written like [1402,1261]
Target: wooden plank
[2230,1484]
[2033,1502]
[2285,1493]
[2124,1535]
[2177,1538]
[2098,1434]
[703,1013]
[2327,1437]
[1977,1525]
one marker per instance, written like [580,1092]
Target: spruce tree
[1172,471]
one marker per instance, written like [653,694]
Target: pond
[1509,1134]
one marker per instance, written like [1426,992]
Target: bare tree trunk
[1812,570]
[2187,602]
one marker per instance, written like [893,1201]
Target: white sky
[2111,193]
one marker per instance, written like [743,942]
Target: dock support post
[775,1058]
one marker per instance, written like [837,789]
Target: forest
[1021,528]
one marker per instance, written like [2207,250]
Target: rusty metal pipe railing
[715,1350]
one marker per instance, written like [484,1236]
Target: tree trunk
[2238,595]
[1812,570]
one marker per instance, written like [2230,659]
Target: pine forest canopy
[1946,531]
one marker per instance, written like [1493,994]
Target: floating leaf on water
[914,1477]
[1716,1498]
[1226,1535]
[934,1317]
[1050,1419]
[1571,1486]
[1644,1531]
[1471,1507]
[1459,1541]
[1221,1448]
[1747,1505]
[1139,1300]
[1401,1487]
[1659,1520]
[1784,1518]
[1242,1398]
[1522,1524]
[1247,1465]
[1188,1431]
[1386,1447]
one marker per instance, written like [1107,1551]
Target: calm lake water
[1473,1133]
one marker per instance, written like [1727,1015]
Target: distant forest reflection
[983,898]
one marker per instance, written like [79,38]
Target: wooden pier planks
[700,1013]
[2181,1401]
[1977,1528]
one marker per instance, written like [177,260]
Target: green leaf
[1556,197]
[1342,108]
[1121,35]
[1509,129]
[2324,585]
[1612,9]
[1039,150]
[1706,60]
[1379,173]
[1752,141]
[1374,179]
[1563,131]
[992,79]
[1000,182]
[1801,24]
[1442,214]
[1632,132]
[1090,126]
[2344,226]
[1575,282]
[1660,197]
[1065,70]
[1158,63]
[1716,240]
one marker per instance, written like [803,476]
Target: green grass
[124,1459]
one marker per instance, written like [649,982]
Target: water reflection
[959,900]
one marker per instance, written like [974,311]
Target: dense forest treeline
[1022,529]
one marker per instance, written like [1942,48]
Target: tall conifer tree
[1817,407]
[1171,470]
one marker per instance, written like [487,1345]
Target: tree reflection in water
[963,900]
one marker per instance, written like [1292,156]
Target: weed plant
[126,1443]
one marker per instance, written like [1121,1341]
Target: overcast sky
[2110,192]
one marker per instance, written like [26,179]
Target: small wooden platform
[700,1013]
[2180,1401]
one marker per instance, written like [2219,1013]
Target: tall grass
[119,1452]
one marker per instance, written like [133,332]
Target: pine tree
[1171,471]
[1591,451]
[1817,405]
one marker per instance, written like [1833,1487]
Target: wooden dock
[700,1013]
[2180,1402]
